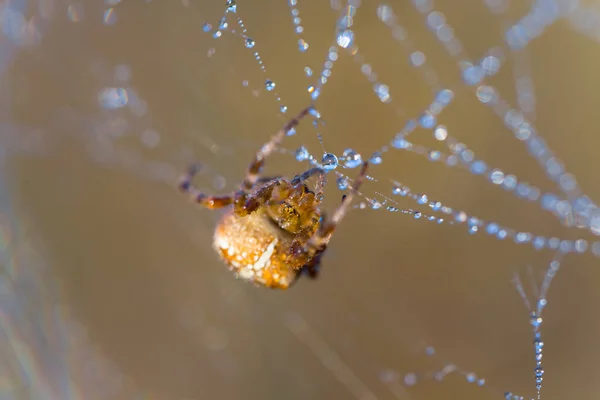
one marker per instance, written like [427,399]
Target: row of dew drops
[578,211]
[572,206]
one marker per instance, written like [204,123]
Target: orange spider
[275,229]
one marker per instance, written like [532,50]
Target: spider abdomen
[256,249]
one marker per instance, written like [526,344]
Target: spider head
[296,211]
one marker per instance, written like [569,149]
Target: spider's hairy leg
[321,239]
[208,201]
[252,174]
[262,195]
[321,180]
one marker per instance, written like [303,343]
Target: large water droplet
[250,43]
[329,161]
[269,85]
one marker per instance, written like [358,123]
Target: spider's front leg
[319,241]
[255,167]
[321,180]
[208,201]
[277,188]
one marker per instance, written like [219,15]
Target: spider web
[475,190]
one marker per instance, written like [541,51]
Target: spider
[274,230]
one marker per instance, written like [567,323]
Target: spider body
[274,229]
[256,247]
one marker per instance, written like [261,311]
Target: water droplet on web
[375,205]
[110,16]
[302,45]
[231,6]
[346,21]
[113,98]
[383,92]
[410,379]
[427,120]
[206,27]
[376,158]
[352,159]
[329,161]
[342,183]
[291,132]
[283,109]
[345,38]
[249,43]
[441,133]
[302,154]
[417,58]
[269,85]
[308,71]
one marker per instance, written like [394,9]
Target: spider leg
[262,195]
[321,180]
[253,172]
[208,201]
[318,242]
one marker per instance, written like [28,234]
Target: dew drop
[536,321]
[375,205]
[471,377]
[352,158]
[113,98]
[110,17]
[206,27]
[427,120]
[302,45]
[250,43]
[376,158]
[283,109]
[329,161]
[539,372]
[383,92]
[269,85]
[231,6]
[291,132]
[308,71]
[302,154]
[342,183]
[441,133]
[345,38]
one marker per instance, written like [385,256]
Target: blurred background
[110,288]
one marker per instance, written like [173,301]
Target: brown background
[132,259]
